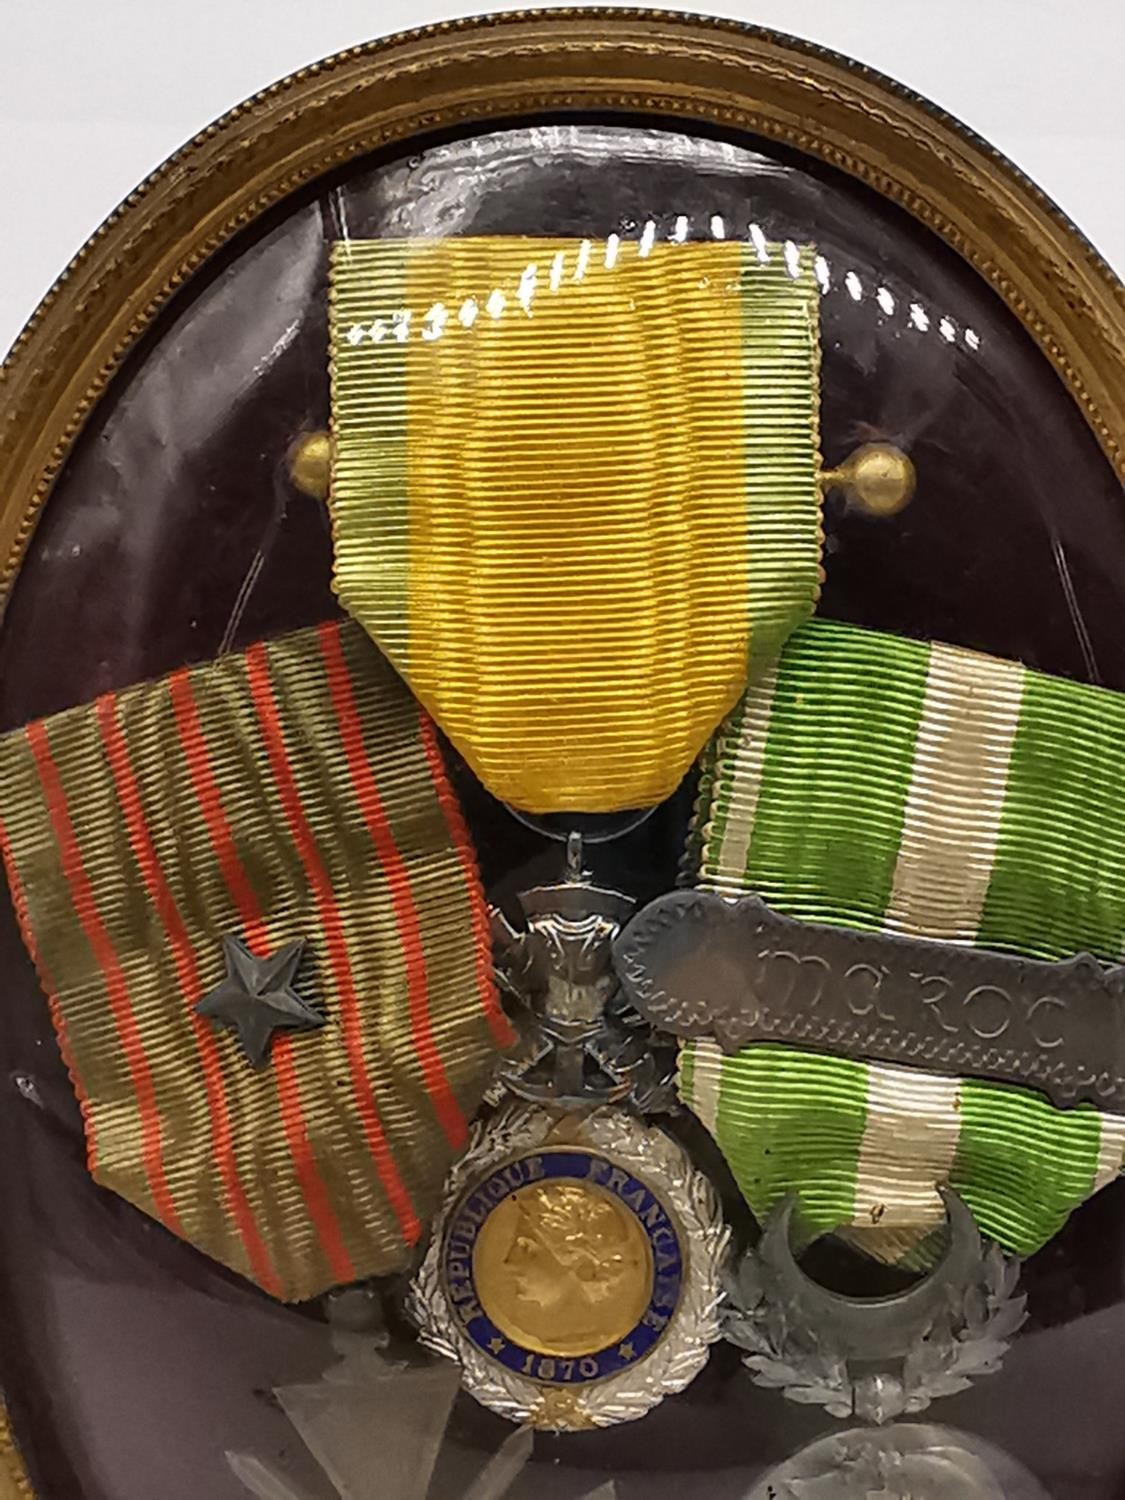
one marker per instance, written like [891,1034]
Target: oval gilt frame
[713,73]
[690,70]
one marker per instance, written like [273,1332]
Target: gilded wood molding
[14,1483]
[688,70]
[524,64]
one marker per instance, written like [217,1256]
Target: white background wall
[94,95]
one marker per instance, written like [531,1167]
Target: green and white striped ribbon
[883,783]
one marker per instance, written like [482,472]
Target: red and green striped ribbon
[295,791]
[877,782]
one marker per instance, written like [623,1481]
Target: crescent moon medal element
[928,1341]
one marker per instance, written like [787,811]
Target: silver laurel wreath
[785,1353]
[682,1352]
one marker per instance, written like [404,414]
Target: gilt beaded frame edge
[691,69]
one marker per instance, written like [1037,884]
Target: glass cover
[134,1366]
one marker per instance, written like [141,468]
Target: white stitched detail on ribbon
[706,1083]
[723,868]
[951,821]
[909,1144]
[1111,1150]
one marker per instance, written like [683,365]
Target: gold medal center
[563,1268]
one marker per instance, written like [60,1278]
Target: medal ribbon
[575,493]
[882,783]
[291,792]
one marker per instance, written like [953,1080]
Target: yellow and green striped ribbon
[575,493]
[883,783]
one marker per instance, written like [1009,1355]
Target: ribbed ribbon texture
[575,493]
[877,782]
[291,792]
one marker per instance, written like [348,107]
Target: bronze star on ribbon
[257,997]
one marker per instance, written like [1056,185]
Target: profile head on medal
[564,1235]
[563,1266]
[579,1269]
